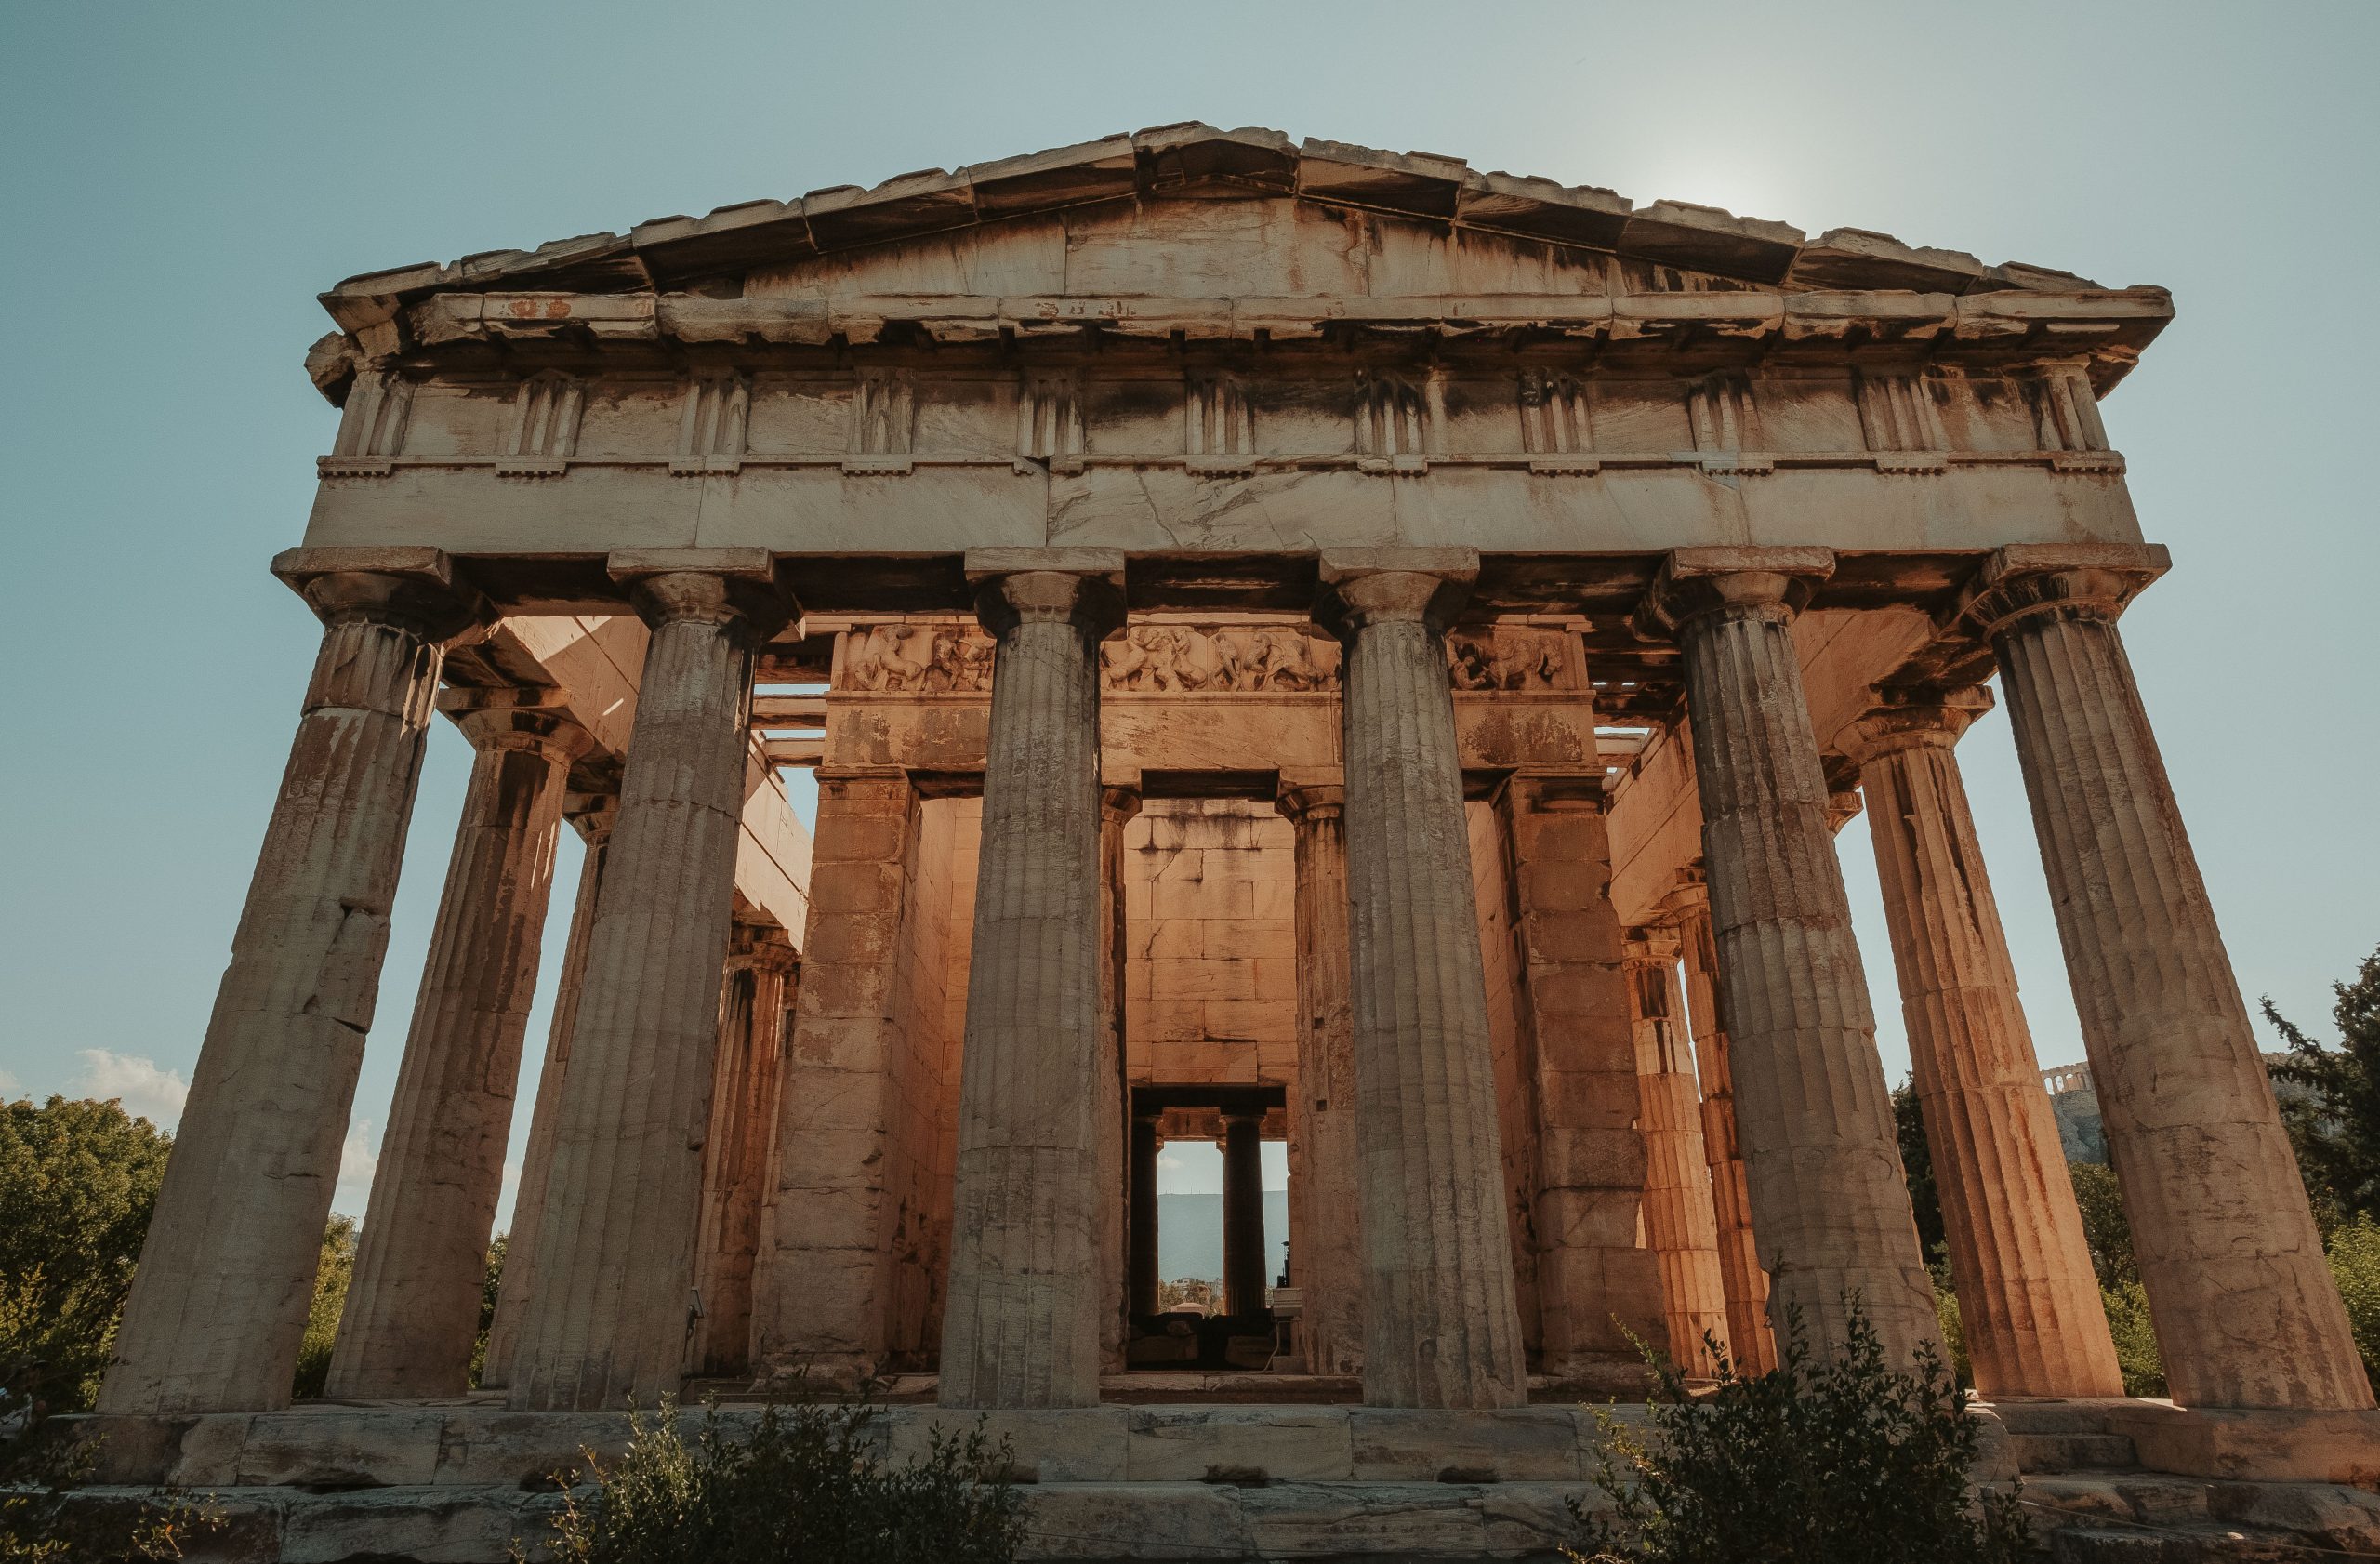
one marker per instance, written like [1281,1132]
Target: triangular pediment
[1192,211]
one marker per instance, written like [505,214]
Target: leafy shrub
[1841,1461]
[41,1523]
[332,1272]
[1951,1323]
[810,1482]
[2355,1262]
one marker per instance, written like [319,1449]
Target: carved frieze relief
[1219,658]
[1183,658]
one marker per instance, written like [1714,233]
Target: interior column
[1028,1301]
[1828,1197]
[1598,1288]
[1751,1344]
[1442,1325]
[1146,1281]
[1330,1257]
[1679,1227]
[2219,1217]
[2029,1302]
[592,814]
[413,1306]
[607,1321]
[217,1307]
[823,1284]
[1243,1213]
[1117,807]
[737,1152]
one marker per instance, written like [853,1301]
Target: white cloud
[507,1198]
[144,1087]
[357,1158]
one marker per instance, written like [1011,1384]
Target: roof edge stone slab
[671,253]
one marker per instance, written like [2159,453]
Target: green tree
[2334,1121]
[1842,1461]
[808,1482]
[332,1272]
[78,1181]
[1917,1166]
[490,1285]
[2105,1227]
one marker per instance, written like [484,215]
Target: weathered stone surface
[1679,1226]
[607,1320]
[219,1305]
[1024,1325]
[1510,1444]
[739,1155]
[2246,1312]
[1598,1290]
[413,1306]
[2028,1299]
[1442,1326]
[1823,1163]
[1327,1249]
[1751,1342]
[1239,1444]
[593,816]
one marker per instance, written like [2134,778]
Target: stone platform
[458,1482]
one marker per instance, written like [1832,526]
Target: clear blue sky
[181,179]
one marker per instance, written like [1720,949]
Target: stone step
[2048,1452]
[1084,1523]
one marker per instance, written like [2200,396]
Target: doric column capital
[411,588]
[1030,586]
[1774,583]
[536,720]
[1363,587]
[1649,945]
[592,814]
[761,948]
[2068,580]
[1302,797]
[1914,719]
[1842,806]
[1689,899]
[741,588]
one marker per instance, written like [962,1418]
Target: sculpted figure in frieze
[916,657]
[1510,659]
[1175,658]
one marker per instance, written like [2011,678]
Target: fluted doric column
[1117,807]
[1752,1345]
[1442,1324]
[218,1308]
[592,814]
[2028,1300]
[1025,1321]
[1823,1160]
[2246,1310]
[1679,1226]
[412,1306]
[1329,1257]
[606,1322]
[738,1153]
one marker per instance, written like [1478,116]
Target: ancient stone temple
[1295,644]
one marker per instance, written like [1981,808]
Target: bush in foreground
[809,1483]
[1844,1461]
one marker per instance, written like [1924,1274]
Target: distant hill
[1190,1235]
